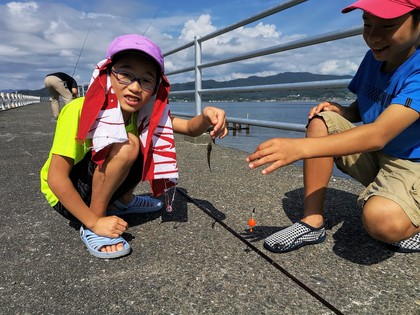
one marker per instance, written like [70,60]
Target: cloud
[199,27]
[20,9]
[334,66]
[40,37]
[328,58]
[241,40]
[16,12]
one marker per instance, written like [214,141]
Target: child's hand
[326,106]
[278,151]
[111,226]
[216,117]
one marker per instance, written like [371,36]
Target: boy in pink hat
[383,153]
[119,134]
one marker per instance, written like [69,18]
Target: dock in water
[200,259]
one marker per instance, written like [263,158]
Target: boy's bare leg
[110,176]
[386,221]
[317,173]
[113,172]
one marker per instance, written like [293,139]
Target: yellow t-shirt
[65,143]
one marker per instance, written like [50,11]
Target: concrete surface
[196,260]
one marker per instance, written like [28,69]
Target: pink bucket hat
[385,9]
[136,42]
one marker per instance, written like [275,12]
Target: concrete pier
[200,259]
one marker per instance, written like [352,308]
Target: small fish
[209,147]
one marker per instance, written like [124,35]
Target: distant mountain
[285,77]
[41,92]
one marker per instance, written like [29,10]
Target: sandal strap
[139,204]
[141,201]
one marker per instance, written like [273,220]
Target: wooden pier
[237,127]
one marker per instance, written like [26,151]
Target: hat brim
[387,9]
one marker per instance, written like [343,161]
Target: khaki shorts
[383,175]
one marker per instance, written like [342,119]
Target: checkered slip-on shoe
[294,237]
[409,245]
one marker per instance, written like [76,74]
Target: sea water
[289,112]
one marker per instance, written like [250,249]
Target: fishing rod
[153,18]
[261,254]
[83,46]
[90,26]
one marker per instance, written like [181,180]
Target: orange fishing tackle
[252,222]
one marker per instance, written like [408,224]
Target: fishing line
[83,46]
[263,255]
[154,17]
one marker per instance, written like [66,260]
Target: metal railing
[198,91]
[13,100]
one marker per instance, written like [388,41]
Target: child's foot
[104,247]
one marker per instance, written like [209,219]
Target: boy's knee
[316,127]
[127,151]
[382,225]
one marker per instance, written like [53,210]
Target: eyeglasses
[127,78]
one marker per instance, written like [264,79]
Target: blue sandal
[94,243]
[139,204]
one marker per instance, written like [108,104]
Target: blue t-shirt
[376,90]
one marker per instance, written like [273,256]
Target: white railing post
[2,101]
[12,100]
[20,99]
[198,75]
[9,101]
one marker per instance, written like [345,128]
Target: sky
[41,37]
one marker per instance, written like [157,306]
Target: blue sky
[40,37]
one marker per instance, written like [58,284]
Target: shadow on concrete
[351,241]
